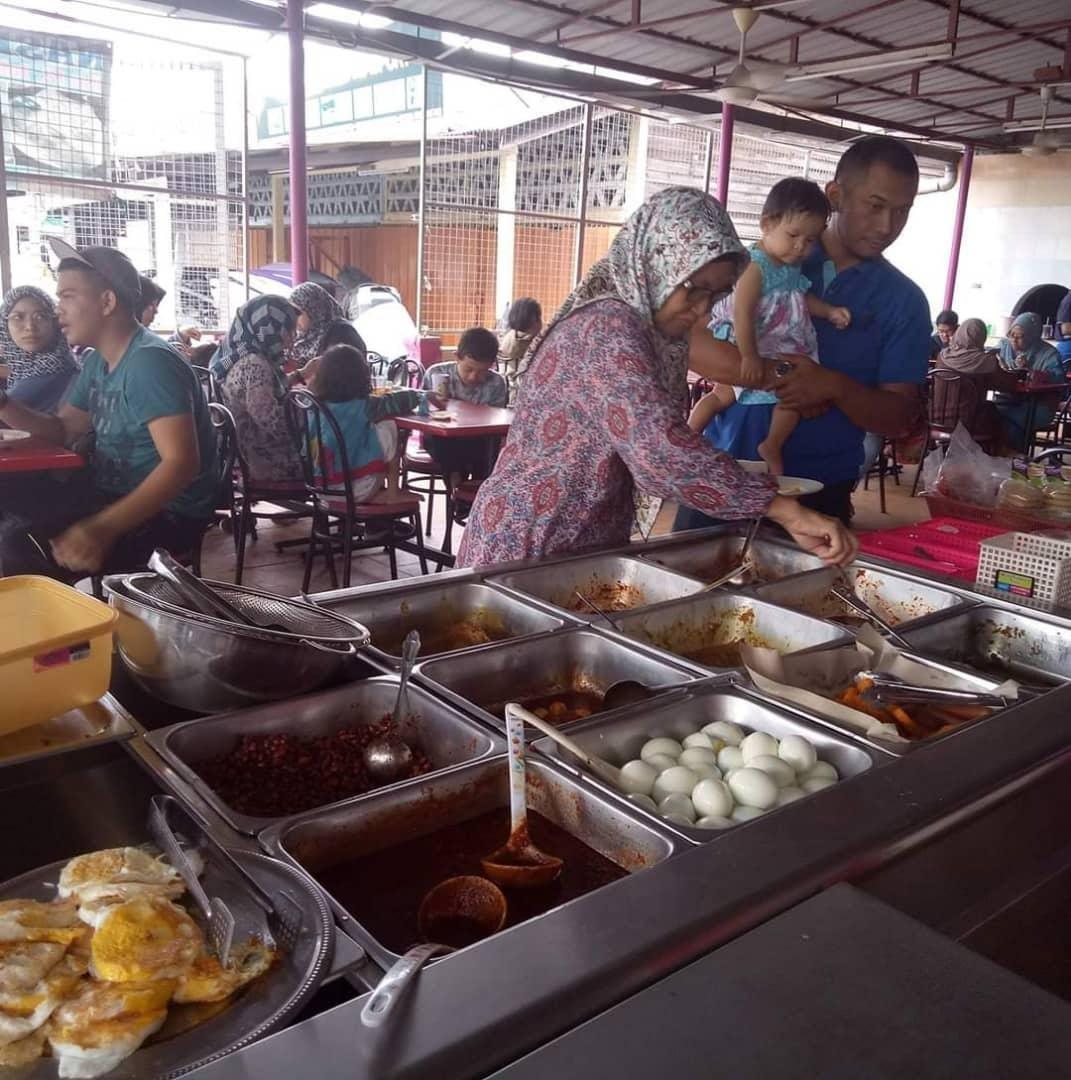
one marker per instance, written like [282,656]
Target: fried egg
[208,980]
[23,1051]
[144,939]
[104,1023]
[23,964]
[113,872]
[23,1012]
[34,920]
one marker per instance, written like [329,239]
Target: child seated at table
[470,378]
[341,380]
[770,311]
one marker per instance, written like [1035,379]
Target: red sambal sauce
[383,890]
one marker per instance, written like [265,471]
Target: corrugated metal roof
[996,56]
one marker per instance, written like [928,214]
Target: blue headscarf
[257,330]
[1038,354]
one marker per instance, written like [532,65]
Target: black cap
[112,265]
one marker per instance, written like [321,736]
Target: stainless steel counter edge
[486,1005]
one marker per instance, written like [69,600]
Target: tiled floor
[266,568]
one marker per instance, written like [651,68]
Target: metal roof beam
[551,32]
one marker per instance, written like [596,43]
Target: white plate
[12,435]
[442,414]
[797,485]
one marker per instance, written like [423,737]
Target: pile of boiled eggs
[721,775]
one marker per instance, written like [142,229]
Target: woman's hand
[823,536]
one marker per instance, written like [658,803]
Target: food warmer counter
[962,834]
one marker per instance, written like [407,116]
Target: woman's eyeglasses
[700,294]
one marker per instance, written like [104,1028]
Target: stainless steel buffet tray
[348,830]
[428,606]
[620,738]
[999,642]
[555,584]
[709,559]
[483,680]
[446,736]
[900,599]
[104,721]
[261,1008]
[683,627]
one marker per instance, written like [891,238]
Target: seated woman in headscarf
[248,366]
[967,355]
[34,355]
[1025,350]
[602,406]
[316,309]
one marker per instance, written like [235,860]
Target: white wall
[1017,234]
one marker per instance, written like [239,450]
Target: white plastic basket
[1027,566]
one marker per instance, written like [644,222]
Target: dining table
[34,455]
[465,421]
[1031,393]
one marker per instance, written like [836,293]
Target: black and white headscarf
[55,359]
[258,330]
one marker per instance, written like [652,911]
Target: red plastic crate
[941,546]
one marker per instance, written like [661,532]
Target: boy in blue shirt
[152,481]
[871,372]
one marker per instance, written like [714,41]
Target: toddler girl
[340,378]
[770,311]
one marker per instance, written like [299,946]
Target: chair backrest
[954,398]
[377,365]
[314,417]
[227,455]
[209,386]
[406,371]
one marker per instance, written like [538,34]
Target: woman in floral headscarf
[1024,349]
[602,405]
[248,366]
[316,310]
[34,355]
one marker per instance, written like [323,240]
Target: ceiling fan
[759,80]
[1046,141]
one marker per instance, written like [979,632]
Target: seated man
[152,478]
[946,324]
[469,378]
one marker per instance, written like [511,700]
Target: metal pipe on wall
[5,234]
[246,208]
[582,204]
[422,199]
[957,229]
[299,209]
[725,153]
[708,169]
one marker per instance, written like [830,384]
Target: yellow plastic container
[55,650]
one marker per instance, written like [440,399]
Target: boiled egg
[697,755]
[757,744]
[644,801]
[779,771]
[678,780]
[677,805]
[700,739]
[798,752]
[817,783]
[730,757]
[745,813]
[821,770]
[725,731]
[789,794]
[661,745]
[661,762]
[712,821]
[638,776]
[753,787]
[712,798]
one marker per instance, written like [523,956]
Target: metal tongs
[844,592]
[887,689]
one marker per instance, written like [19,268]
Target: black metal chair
[406,372]
[953,398]
[253,502]
[886,464]
[209,386]
[339,522]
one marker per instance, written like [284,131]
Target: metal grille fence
[109,143]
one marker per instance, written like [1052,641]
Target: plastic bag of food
[968,473]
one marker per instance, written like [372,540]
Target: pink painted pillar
[957,230]
[299,208]
[725,153]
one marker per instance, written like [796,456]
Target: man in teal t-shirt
[152,482]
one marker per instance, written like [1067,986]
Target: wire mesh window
[107,142]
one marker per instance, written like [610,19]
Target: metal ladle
[519,864]
[461,910]
[389,757]
[600,767]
